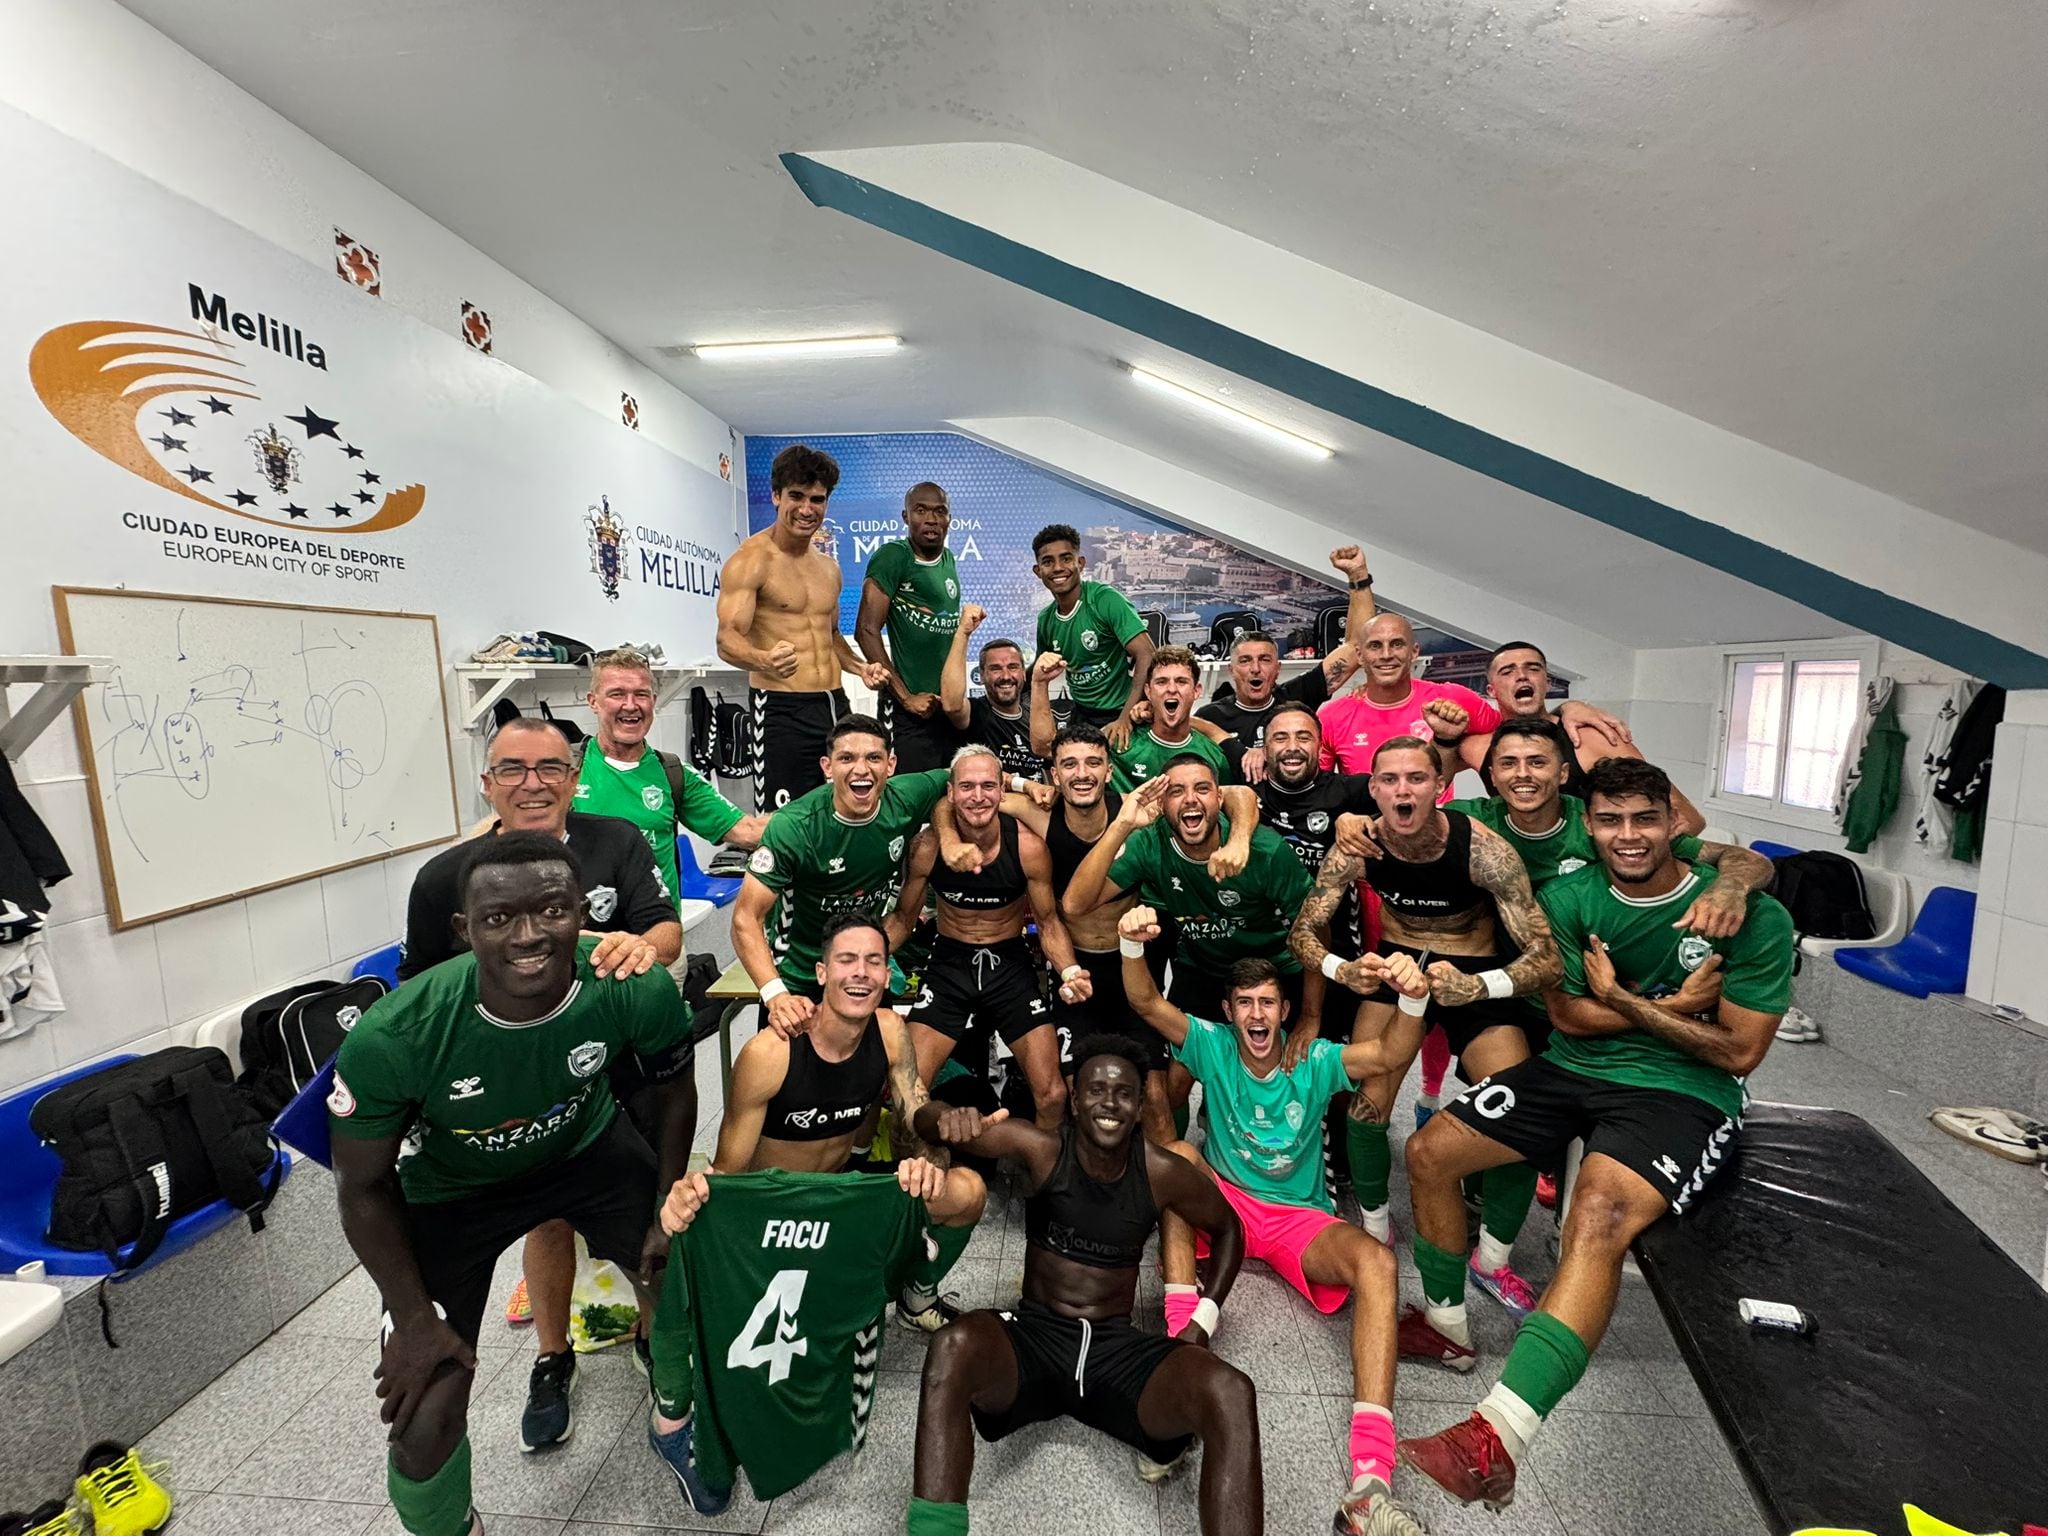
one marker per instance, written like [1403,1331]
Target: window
[1788,716]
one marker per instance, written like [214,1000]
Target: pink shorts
[1280,1235]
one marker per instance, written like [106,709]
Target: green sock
[1472,1186]
[929,1519]
[1443,1274]
[950,1241]
[1506,1195]
[1371,1162]
[1547,1361]
[440,1505]
[672,1366]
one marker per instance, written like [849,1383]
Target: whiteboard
[243,745]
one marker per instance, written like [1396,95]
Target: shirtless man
[1453,889]
[778,621]
[1518,681]
[1096,1190]
[982,973]
[1070,828]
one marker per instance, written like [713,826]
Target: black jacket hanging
[29,860]
[1964,771]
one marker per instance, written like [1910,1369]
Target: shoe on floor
[1504,1286]
[518,1309]
[927,1319]
[678,1453]
[1369,1509]
[1467,1461]
[1157,1472]
[48,1519]
[1419,1340]
[1798,1027]
[119,1493]
[547,1419]
[2000,1132]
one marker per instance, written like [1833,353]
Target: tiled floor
[287,1443]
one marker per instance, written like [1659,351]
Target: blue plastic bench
[1934,956]
[719,890]
[30,1176]
[1772,850]
[383,965]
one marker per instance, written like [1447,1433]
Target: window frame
[1863,650]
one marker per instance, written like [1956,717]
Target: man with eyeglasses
[530,780]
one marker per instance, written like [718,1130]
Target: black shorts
[920,741]
[970,989]
[606,1192]
[789,742]
[1095,1373]
[1199,994]
[1467,1022]
[1673,1140]
[1108,1010]
[1086,714]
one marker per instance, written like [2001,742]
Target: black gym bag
[703,733]
[734,740]
[1824,893]
[288,1036]
[147,1141]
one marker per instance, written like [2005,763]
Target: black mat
[1927,1381]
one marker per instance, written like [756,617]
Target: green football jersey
[780,1284]
[1265,1133]
[820,866]
[639,793]
[1147,756]
[1092,638]
[1220,923]
[1652,959]
[1566,847]
[924,610]
[493,1100]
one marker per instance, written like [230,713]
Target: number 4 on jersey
[785,1294]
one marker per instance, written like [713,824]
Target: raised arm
[787,1011]
[917,874]
[1498,870]
[1134,930]
[1352,565]
[1718,911]
[1342,662]
[739,590]
[1091,886]
[1241,810]
[1049,665]
[953,676]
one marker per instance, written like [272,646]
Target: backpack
[147,1141]
[703,733]
[1226,627]
[734,739]
[1825,895]
[1330,626]
[1155,624]
[288,1036]
[572,733]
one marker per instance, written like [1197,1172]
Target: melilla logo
[187,410]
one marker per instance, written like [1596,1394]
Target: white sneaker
[1798,1027]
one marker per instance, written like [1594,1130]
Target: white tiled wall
[2009,945]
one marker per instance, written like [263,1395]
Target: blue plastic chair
[383,965]
[30,1178]
[719,890]
[1934,956]
[1772,850]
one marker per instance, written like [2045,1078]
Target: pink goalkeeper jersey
[1354,726]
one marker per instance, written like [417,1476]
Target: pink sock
[1372,1442]
[1181,1301]
[1436,1060]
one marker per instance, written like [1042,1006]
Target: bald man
[912,589]
[1395,702]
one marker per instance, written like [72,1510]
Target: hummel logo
[1669,1168]
[836,867]
[1177,885]
[466,1088]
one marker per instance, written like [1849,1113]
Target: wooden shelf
[57,681]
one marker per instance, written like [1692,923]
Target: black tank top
[996,885]
[1105,1226]
[1066,849]
[1436,889]
[820,1099]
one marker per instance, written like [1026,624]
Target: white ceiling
[1815,223]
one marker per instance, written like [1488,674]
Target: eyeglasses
[549,770]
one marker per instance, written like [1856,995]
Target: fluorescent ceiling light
[824,346]
[1195,400]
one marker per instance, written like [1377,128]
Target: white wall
[1675,718]
[99,76]
[2011,935]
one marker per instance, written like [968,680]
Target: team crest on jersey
[1294,1117]
[1318,821]
[896,847]
[604,901]
[1090,641]
[587,1060]
[952,587]
[347,1016]
[761,862]
[1229,898]
[1693,951]
[651,797]
[1568,866]
[340,1102]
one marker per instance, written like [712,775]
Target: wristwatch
[1362,583]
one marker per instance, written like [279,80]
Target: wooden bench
[733,991]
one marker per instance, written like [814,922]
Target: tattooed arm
[907,1093]
[1310,936]
[1498,870]
[1728,1036]
[1718,911]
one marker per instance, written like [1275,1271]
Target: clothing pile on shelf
[30,862]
